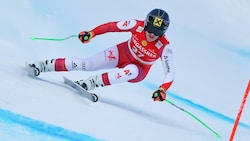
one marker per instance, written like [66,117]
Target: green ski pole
[54,39]
[190,114]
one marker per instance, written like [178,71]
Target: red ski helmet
[157,22]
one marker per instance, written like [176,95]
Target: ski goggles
[151,29]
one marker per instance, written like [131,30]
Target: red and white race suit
[133,58]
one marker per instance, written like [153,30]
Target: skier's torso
[143,51]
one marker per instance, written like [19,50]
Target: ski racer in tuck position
[133,57]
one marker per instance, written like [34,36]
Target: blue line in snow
[197,106]
[235,49]
[35,126]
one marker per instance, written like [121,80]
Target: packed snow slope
[210,40]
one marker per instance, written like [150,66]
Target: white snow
[211,54]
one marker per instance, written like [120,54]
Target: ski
[82,92]
[33,72]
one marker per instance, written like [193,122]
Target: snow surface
[211,49]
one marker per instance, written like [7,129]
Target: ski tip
[65,79]
[25,64]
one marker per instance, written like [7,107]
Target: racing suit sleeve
[120,26]
[168,67]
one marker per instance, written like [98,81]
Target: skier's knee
[131,71]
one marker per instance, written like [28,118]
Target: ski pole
[196,118]
[54,39]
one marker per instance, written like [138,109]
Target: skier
[132,58]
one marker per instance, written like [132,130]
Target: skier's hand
[85,36]
[159,95]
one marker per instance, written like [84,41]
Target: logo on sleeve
[126,24]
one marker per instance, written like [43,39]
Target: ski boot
[91,83]
[36,68]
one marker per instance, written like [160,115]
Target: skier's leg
[103,60]
[129,72]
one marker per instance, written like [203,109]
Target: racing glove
[159,95]
[85,36]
